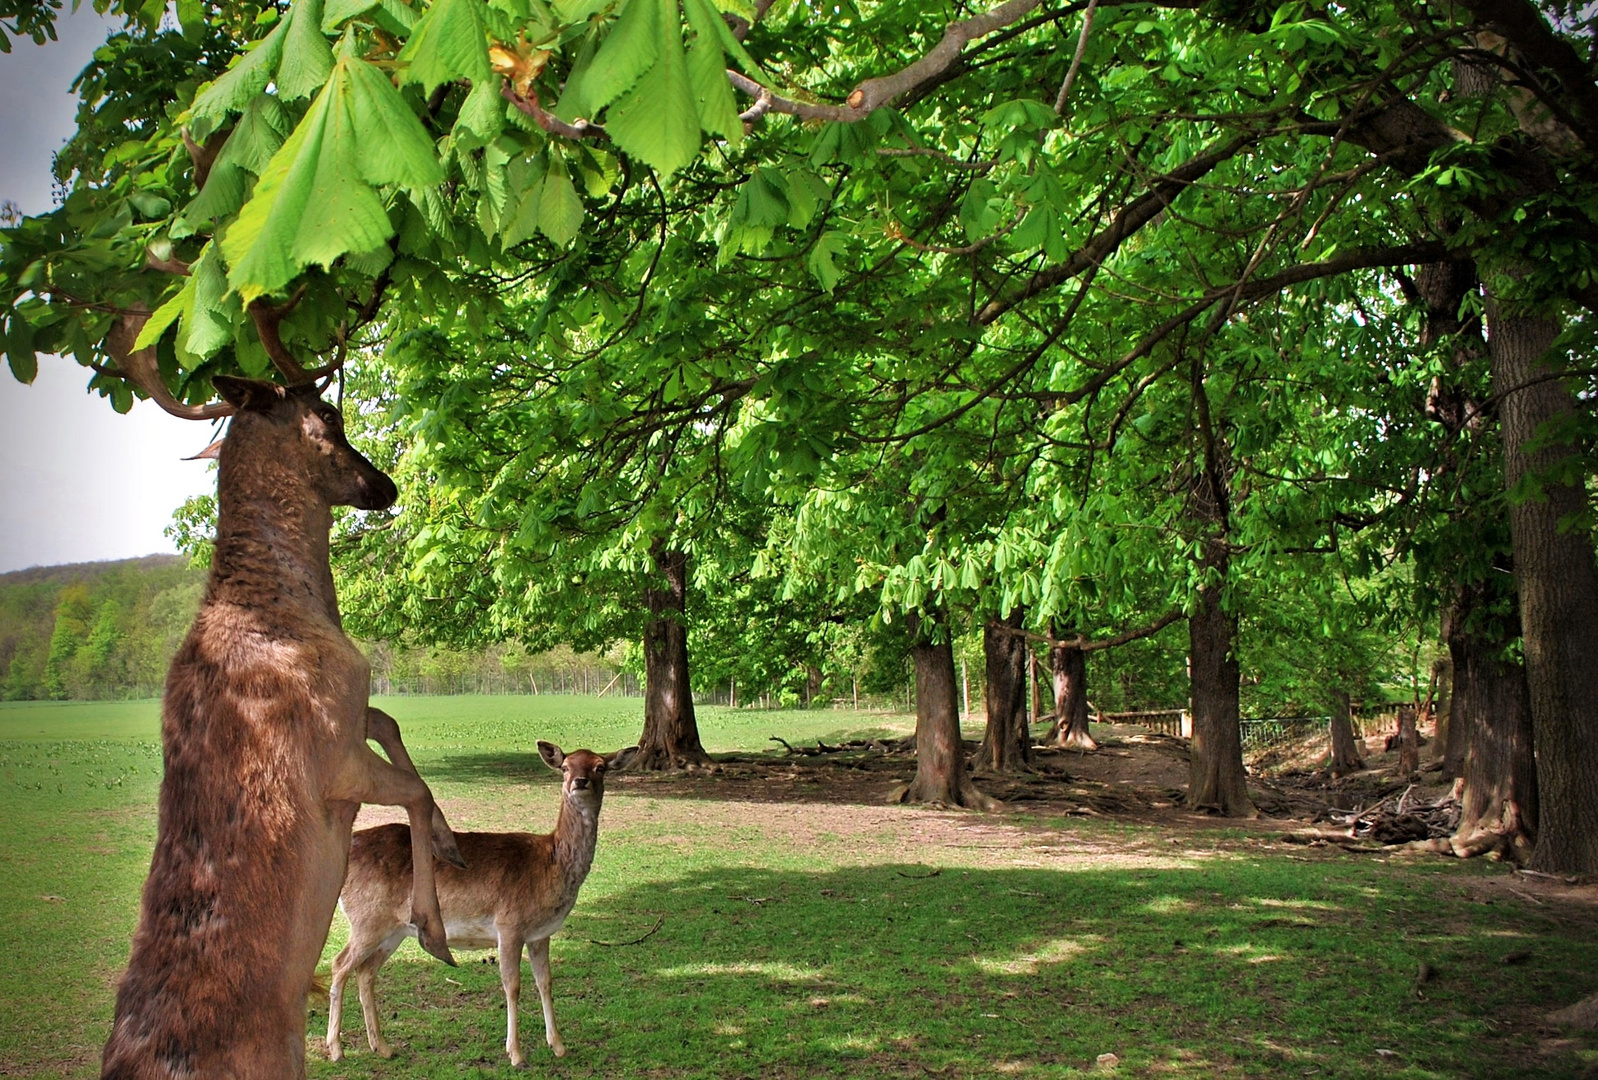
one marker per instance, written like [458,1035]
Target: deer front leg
[538,955]
[385,730]
[510,976]
[370,779]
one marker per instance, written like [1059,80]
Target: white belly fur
[481,932]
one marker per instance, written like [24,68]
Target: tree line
[721,329]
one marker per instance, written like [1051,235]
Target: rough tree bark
[1498,800]
[1007,743]
[1070,669]
[1406,741]
[941,773]
[1216,780]
[1557,582]
[671,732]
[1345,748]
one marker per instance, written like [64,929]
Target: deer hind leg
[370,779]
[385,730]
[366,981]
[510,976]
[349,959]
[538,955]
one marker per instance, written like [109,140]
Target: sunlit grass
[850,941]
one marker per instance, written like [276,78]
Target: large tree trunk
[671,733]
[1070,669]
[1558,586]
[1499,797]
[1407,741]
[1007,743]
[941,774]
[1345,748]
[1216,780]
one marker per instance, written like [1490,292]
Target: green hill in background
[107,631]
[94,630]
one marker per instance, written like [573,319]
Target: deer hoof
[384,1051]
[435,943]
[444,847]
[335,1052]
[559,1048]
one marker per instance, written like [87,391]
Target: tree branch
[547,120]
[1524,27]
[1129,220]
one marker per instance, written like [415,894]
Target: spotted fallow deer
[516,889]
[264,728]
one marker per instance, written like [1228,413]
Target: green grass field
[815,938]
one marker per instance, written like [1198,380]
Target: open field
[807,929]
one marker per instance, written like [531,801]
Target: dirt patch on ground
[837,796]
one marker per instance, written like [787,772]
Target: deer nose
[579,782]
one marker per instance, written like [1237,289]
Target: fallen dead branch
[635,941]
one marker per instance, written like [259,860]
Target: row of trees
[1062,322]
[93,631]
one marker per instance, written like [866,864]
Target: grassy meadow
[808,937]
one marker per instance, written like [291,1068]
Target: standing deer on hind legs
[264,728]
[516,889]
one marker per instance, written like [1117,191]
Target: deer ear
[620,758]
[210,453]
[247,395]
[553,755]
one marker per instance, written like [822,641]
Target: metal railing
[1263,732]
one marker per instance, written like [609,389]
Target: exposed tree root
[660,759]
[1506,838]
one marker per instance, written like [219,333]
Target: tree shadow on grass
[496,768]
[1232,968]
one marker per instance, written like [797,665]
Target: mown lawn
[818,938]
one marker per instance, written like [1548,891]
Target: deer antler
[267,318]
[138,366]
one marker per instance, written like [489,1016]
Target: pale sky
[78,483]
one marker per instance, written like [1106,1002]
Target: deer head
[582,773]
[294,427]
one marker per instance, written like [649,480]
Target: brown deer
[517,889]
[264,728]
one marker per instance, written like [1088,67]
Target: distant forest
[107,630]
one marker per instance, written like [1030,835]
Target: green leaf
[315,200]
[307,57]
[258,134]
[707,74]
[482,113]
[525,186]
[448,44]
[191,18]
[165,315]
[20,354]
[657,120]
[209,322]
[628,51]
[338,11]
[393,147]
[560,211]
[238,86]
[820,260]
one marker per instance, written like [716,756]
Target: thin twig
[1076,61]
[635,941]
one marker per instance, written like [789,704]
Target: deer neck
[576,832]
[272,543]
